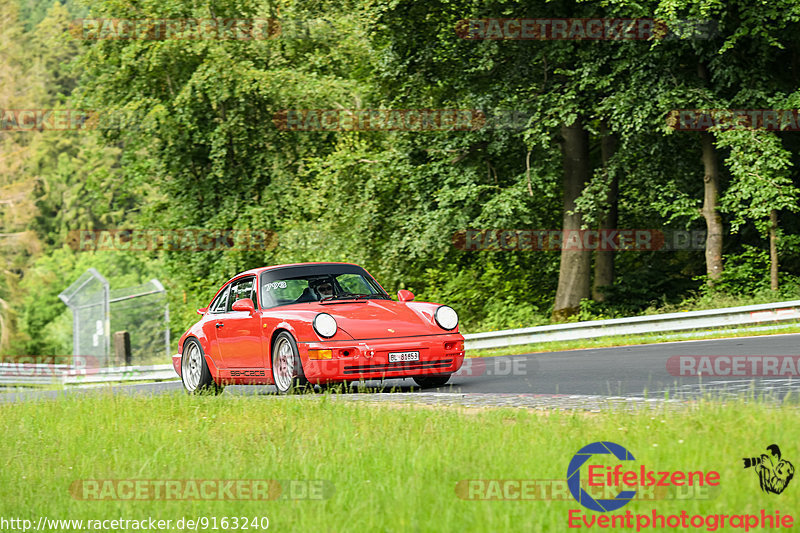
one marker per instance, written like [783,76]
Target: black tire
[431,382]
[287,368]
[193,363]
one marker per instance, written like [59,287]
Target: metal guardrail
[32,374]
[692,320]
[125,373]
[27,374]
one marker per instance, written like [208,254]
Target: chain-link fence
[98,312]
[142,311]
[88,299]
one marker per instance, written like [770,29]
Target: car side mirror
[202,311]
[405,296]
[245,304]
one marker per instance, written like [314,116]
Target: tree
[608,220]
[761,185]
[575,269]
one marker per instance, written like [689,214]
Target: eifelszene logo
[606,476]
[574,477]
[774,472]
[598,460]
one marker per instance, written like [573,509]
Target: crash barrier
[15,374]
[768,316]
[736,317]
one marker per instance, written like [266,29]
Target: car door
[215,315]
[239,332]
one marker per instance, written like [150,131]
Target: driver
[324,289]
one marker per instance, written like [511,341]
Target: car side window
[244,288]
[220,304]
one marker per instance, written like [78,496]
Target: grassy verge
[627,340]
[393,469]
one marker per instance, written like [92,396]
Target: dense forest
[558,134]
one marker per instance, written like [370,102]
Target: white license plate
[396,357]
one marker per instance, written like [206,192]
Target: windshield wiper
[348,296]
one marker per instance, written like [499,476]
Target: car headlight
[325,325]
[446,317]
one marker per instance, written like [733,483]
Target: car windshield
[316,283]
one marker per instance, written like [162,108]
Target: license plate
[396,357]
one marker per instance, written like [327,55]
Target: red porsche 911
[316,323]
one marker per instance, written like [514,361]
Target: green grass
[393,468]
[628,340]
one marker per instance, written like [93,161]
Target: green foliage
[747,274]
[32,12]
[201,149]
[45,323]
[761,183]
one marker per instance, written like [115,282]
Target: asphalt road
[638,370]
[629,371]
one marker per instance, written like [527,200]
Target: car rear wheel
[195,374]
[431,382]
[287,369]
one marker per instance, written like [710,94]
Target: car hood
[375,319]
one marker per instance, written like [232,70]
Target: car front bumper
[369,359]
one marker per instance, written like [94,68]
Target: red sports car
[317,323]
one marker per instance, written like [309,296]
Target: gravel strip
[518,401]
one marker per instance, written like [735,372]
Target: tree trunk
[604,260]
[575,270]
[710,196]
[773,250]
[709,210]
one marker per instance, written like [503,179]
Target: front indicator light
[320,354]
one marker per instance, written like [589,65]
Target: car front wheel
[195,374]
[431,382]
[287,369]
